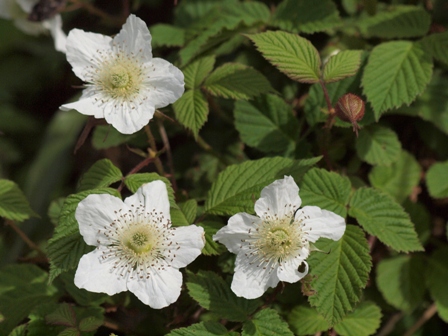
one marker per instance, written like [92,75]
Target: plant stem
[390,325]
[24,237]
[152,144]
[432,309]
[169,156]
[98,12]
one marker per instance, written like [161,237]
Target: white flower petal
[96,276]
[30,28]
[154,196]
[250,281]
[321,223]
[279,199]
[166,83]
[128,118]
[160,290]
[289,270]
[191,242]
[96,212]
[85,105]
[82,50]
[236,230]
[134,36]
[60,39]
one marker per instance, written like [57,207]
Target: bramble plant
[223,167]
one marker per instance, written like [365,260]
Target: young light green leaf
[396,73]
[378,145]
[64,315]
[266,322]
[436,180]
[102,174]
[399,279]
[304,16]
[105,136]
[339,275]
[214,294]
[363,321]
[326,190]
[211,247]
[291,54]
[236,81]
[197,71]
[13,203]
[164,35]
[191,110]
[436,278]
[208,328]
[437,44]
[381,216]
[396,22]
[267,123]
[236,187]
[342,65]
[306,321]
[399,179]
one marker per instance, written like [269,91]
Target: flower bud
[350,108]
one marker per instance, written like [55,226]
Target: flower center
[140,242]
[278,237]
[119,77]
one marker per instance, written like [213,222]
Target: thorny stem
[24,237]
[91,122]
[432,309]
[167,146]
[152,144]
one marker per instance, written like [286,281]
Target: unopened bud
[350,108]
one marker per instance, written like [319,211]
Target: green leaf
[378,145]
[105,136]
[191,110]
[291,54]
[436,278]
[189,209]
[326,190]
[19,331]
[396,22]
[64,315]
[437,44]
[70,332]
[266,322]
[211,247]
[90,323]
[304,16]
[54,210]
[267,123]
[343,64]
[436,180]
[196,72]
[339,275]
[80,295]
[102,174]
[399,179]
[214,294]
[363,321]
[421,219]
[164,35]
[13,203]
[22,288]
[397,72]
[306,321]
[208,328]
[399,280]
[238,185]
[384,218]
[236,81]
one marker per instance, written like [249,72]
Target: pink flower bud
[350,108]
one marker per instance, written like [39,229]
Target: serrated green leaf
[70,332]
[197,71]
[236,81]
[189,209]
[396,73]
[436,180]
[436,279]
[64,315]
[266,322]
[339,275]
[399,179]
[13,203]
[437,45]
[214,294]
[378,145]
[306,321]
[343,64]
[381,216]
[211,247]
[90,323]
[304,16]
[19,331]
[421,219]
[164,35]
[191,110]
[363,321]
[293,55]
[396,22]
[326,190]
[267,123]
[22,288]
[398,280]
[54,210]
[105,136]
[102,174]
[208,328]
[237,186]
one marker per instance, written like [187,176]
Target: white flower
[18,10]
[136,247]
[125,84]
[271,247]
